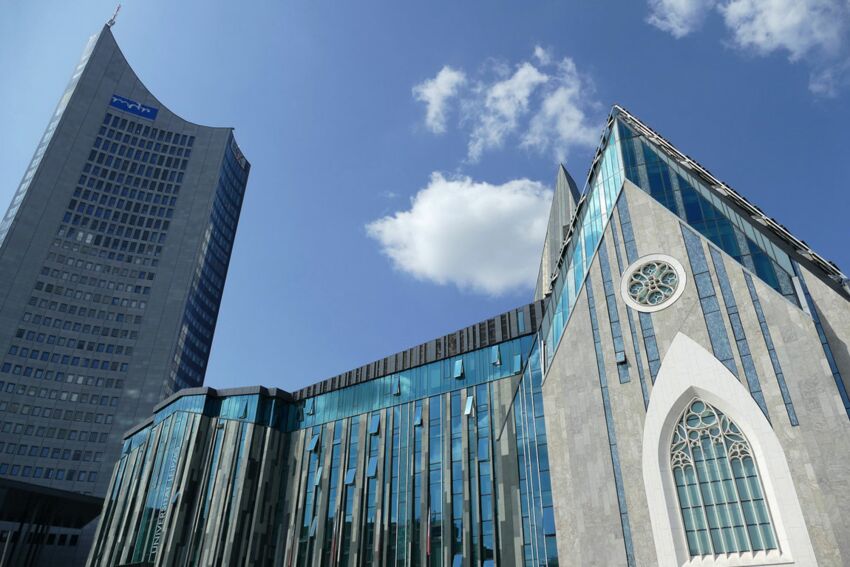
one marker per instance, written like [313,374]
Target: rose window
[653,283]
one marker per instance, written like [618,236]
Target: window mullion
[701,501]
[747,544]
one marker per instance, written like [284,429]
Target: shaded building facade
[676,395]
[113,259]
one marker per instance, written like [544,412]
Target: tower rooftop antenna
[111,21]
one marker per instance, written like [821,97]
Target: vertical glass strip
[827,350]
[632,329]
[771,351]
[371,487]
[347,512]
[395,464]
[613,315]
[416,520]
[435,480]
[708,301]
[333,485]
[653,357]
[740,336]
[457,479]
[312,454]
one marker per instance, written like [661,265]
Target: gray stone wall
[817,450]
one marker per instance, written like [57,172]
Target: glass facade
[417,383]
[592,215]
[205,292]
[686,196]
[626,154]
[440,468]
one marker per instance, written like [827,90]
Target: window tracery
[721,498]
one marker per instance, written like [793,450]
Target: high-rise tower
[113,259]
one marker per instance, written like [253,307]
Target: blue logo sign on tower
[133,107]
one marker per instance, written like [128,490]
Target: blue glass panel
[458,369]
[549,521]
[375,424]
[483,449]
[468,409]
[593,214]
[314,442]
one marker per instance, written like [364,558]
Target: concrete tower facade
[113,259]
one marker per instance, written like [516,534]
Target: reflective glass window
[458,368]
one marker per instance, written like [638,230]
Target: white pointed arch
[689,371]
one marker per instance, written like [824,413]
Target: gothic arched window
[721,498]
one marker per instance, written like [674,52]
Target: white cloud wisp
[541,104]
[436,93]
[562,122]
[814,31]
[504,103]
[679,17]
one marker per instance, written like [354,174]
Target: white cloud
[561,122]
[828,81]
[435,93]
[543,56]
[679,17]
[541,104]
[796,26]
[815,31]
[504,103]
[476,235]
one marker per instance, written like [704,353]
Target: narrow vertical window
[495,356]
[720,494]
[375,424]
[314,442]
[458,369]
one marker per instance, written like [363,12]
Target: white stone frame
[687,371]
[627,274]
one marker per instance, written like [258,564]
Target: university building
[674,395]
[113,258]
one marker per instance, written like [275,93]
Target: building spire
[111,21]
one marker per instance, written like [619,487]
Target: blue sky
[403,153]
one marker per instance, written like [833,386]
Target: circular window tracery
[653,282]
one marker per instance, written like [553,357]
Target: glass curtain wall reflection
[409,482]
